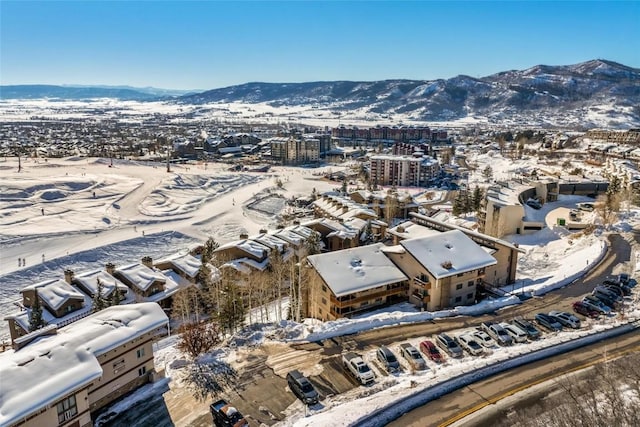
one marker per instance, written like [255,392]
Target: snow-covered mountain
[591,93]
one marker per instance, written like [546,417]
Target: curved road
[486,393]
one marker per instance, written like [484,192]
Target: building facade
[402,171]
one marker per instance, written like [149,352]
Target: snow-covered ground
[82,213]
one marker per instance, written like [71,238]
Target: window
[459,286]
[459,274]
[70,308]
[469,296]
[67,409]
[142,371]
[324,301]
[379,299]
[458,299]
[470,284]
[324,288]
[140,352]
[118,366]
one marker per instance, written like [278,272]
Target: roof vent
[447,264]
[356,262]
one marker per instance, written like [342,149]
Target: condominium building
[402,171]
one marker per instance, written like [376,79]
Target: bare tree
[198,337]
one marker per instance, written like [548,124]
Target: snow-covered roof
[141,275]
[290,236]
[55,292]
[356,269]
[90,279]
[251,247]
[411,230]
[52,367]
[272,242]
[452,247]
[188,264]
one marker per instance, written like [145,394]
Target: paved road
[443,411]
[263,395]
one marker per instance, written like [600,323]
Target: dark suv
[302,388]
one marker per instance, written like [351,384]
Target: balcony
[351,300]
[422,281]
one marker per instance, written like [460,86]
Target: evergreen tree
[116,297]
[312,244]
[343,189]
[35,317]
[232,311]
[476,200]
[98,300]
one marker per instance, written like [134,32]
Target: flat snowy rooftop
[356,269]
[54,366]
[449,247]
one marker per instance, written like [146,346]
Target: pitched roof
[436,251]
[55,292]
[356,269]
[141,275]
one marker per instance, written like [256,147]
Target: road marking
[495,399]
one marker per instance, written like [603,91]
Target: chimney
[263,231]
[147,261]
[68,275]
[244,236]
[345,209]
[110,268]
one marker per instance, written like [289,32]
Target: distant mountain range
[78,92]
[596,87]
[597,91]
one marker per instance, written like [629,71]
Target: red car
[581,308]
[431,351]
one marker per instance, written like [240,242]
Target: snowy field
[81,213]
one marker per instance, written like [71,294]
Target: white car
[470,344]
[483,338]
[567,319]
[516,333]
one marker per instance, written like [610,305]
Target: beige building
[505,253]
[402,171]
[444,268]
[343,283]
[59,377]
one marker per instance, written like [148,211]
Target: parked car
[606,299]
[358,367]
[595,304]
[548,322]
[226,415]
[431,351]
[484,339]
[302,387]
[584,309]
[619,291]
[534,203]
[624,278]
[567,319]
[497,332]
[532,332]
[449,345]
[516,333]
[607,292]
[625,289]
[388,359]
[469,343]
[413,356]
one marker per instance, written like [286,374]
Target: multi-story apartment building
[279,149]
[386,133]
[66,375]
[303,150]
[349,281]
[402,171]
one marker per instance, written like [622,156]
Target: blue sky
[210,44]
